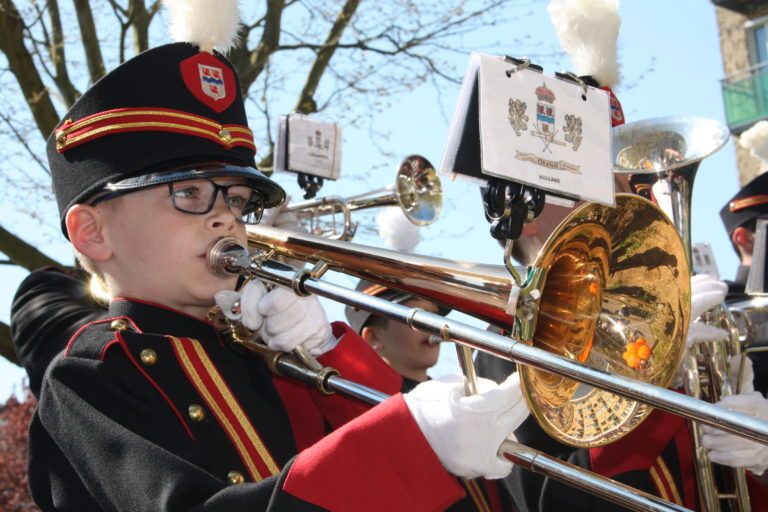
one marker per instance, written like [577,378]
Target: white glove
[706,293]
[290,321]
[249,296]
[283,319]
[730,450]
[465,432]
[747,384]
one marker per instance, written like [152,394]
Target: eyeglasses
[198,197]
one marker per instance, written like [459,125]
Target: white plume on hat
[756,140]
[397,231]
[207,23]
[588,31]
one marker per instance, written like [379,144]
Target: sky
[671,66]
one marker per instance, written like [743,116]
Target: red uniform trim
[478,498]
[220,401]
[684,445]
[101,321]
[150,119]
[358,362]
[386,464]
[747,202]
[492,491]
[758,493]
[306,421]
[639,449]
[121,343]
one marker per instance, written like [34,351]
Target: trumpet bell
[616,296]
[418,190]
[665,144]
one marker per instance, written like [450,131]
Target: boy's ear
[743,238]
[370,336]
[85,226]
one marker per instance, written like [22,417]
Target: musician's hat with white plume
[171,113]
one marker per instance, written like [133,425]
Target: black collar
[157,319]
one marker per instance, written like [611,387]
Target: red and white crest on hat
[212,81]
[209,80]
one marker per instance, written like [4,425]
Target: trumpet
[417,191]
[659,159]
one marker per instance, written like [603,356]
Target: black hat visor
[273,193]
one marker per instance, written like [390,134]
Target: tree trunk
[7,350]
[306,103]
[23,254]
[23,67]
[90,40]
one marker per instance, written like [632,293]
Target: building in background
[743,28]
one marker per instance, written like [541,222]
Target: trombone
[488,292]
[596,274]
[417,191]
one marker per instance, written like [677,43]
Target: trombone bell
[616,297]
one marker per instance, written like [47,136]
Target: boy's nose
[220,216]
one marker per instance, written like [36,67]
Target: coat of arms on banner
[546,128]
[212,81]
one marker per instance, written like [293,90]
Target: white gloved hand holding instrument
[466,431]
[283,320]
[706,293]
[734,451]
[724,448]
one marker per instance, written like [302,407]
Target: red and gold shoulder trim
[220,400]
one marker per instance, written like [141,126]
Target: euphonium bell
[610,289]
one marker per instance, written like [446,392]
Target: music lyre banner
[526,126]
[308,145]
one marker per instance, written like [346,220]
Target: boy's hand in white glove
[466,431]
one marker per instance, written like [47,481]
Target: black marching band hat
[357,318]
[749,203]
[171,113]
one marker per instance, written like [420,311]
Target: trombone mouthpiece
[227,256]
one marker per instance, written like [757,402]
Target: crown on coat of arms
[544,93]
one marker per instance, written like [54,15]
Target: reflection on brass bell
[148,356]
[235,477]
[196,412]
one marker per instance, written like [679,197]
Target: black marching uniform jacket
[147,409]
